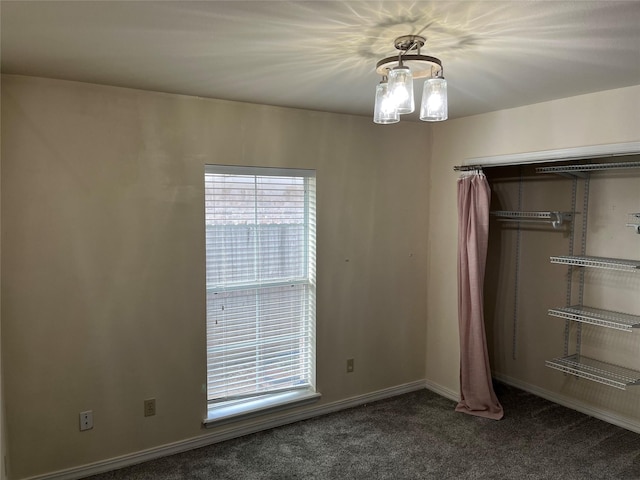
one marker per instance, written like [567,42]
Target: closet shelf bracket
[634,222]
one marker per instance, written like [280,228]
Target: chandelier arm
[439,72]
[424,61]
[414,43]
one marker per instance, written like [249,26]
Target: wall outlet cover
[149,407]
[86,420]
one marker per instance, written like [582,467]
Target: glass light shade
[385,110]
[401,89]
[434,107]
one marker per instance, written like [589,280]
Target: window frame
[220,412]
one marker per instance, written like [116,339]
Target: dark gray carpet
[416,436]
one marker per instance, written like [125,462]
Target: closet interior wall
[521,283]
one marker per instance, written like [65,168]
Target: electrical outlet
[350,365]
[150,407]
[86,420]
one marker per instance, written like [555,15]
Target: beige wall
[600,118]
[3,436]
[102,248]
[103,257]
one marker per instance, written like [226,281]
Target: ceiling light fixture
[394,94]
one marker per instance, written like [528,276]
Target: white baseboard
[259,425]
[443,391]
[572,403]
[215,437]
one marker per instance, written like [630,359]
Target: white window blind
[260,253]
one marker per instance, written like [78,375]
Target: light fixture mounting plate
[406,42]
[422,66]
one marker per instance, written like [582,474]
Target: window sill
[222,414]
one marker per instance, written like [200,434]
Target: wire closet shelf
[556,219]
[596,316]
[620,264]
[597,371]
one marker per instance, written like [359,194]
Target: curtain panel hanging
[477,396]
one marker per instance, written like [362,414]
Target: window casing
[260,277]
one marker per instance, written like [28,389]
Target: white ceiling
[321,55]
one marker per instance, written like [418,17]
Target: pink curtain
[477,396]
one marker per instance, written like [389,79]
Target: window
[260,253]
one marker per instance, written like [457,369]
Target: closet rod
[467,168]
